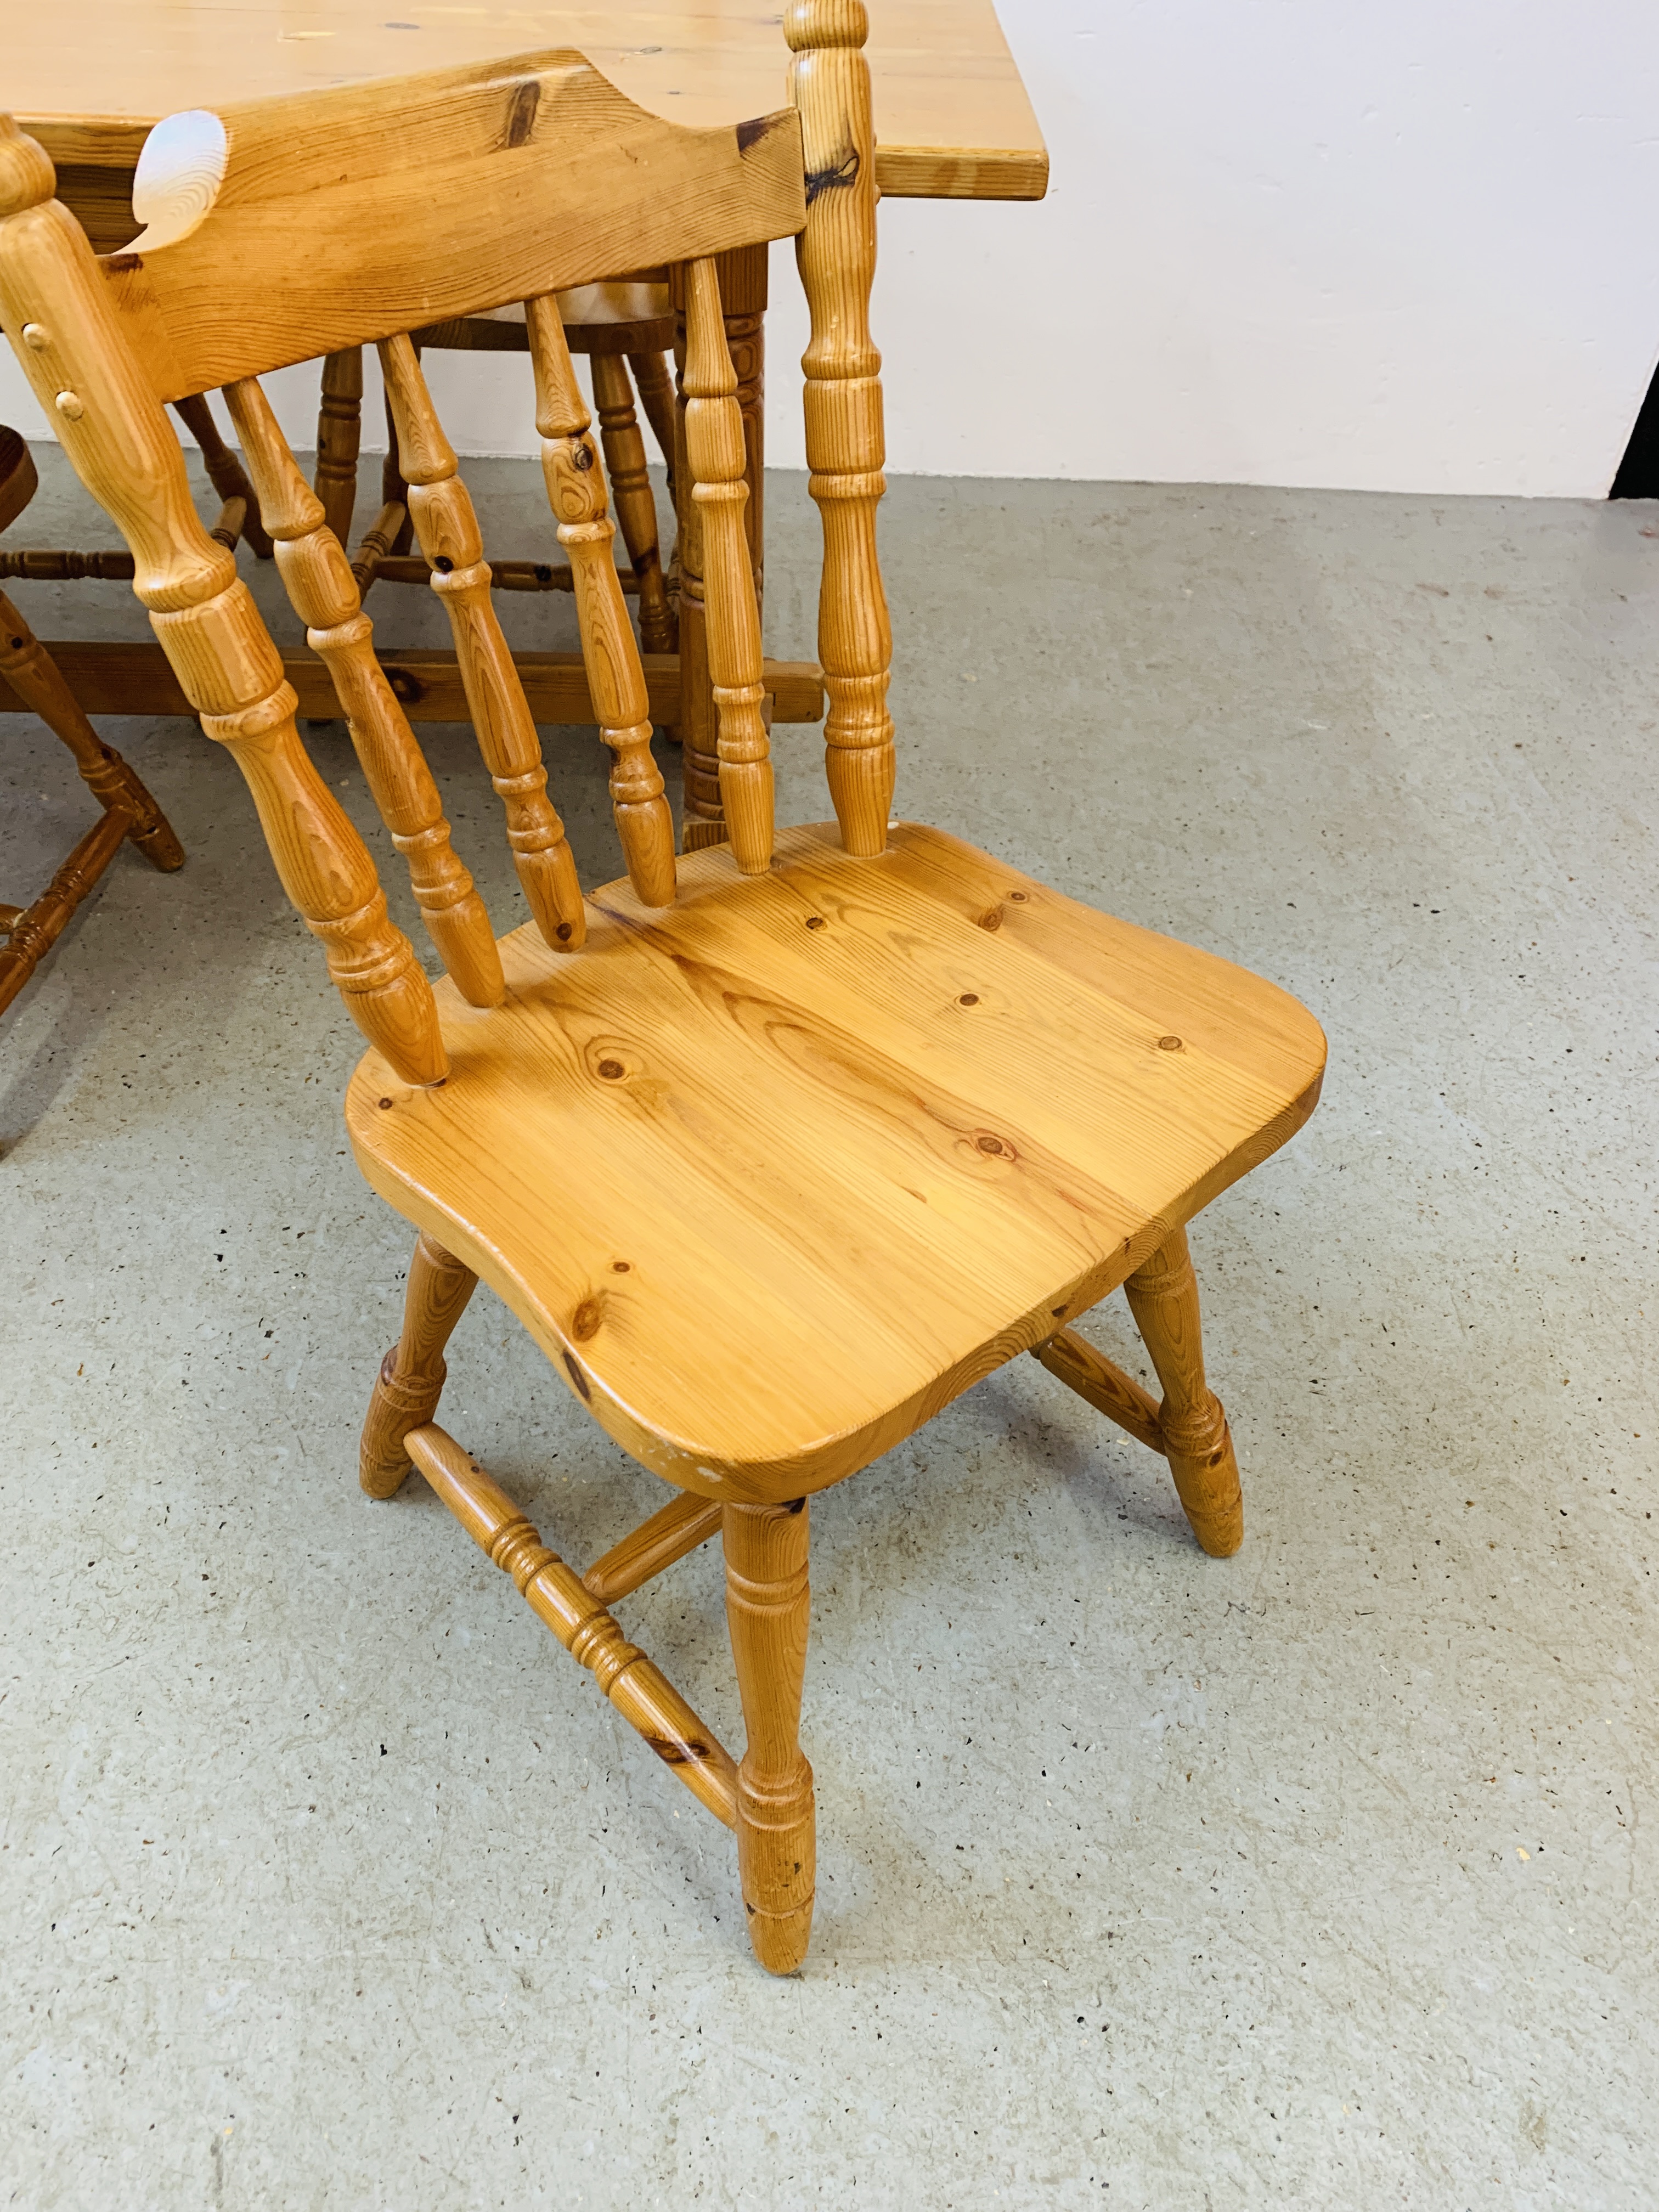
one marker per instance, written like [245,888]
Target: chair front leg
[411,1377]
[768,1605]
[1163,1298]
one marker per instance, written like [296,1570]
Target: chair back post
[76,357]
[829,86]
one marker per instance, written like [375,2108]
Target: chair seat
[776,1172]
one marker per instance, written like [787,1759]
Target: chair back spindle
[110,419]
[829,86]
[446,529]
[339,434]
[716,457]
[324,594]
[575,492]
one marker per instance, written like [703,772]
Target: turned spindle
[447,529]
[225,472]
[653,380]
[555,1593]
[339,434]
[635,503]
[324,592]
[719,490]
[575,492]
[698,726]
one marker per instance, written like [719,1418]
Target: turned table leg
[411,1377]
[1163,1299]
[767,1609]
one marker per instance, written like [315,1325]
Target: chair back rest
[281,230]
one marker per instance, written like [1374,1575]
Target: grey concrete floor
[1323,1876]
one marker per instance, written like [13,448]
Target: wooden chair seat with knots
[771,1196]
[775,1147]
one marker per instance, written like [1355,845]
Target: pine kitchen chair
[774,1148]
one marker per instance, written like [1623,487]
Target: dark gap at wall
[1638,472]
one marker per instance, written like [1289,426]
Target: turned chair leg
[225,472]
[767,1610]
[411,1377]
[339,434]
[632,496]
[1163,1299]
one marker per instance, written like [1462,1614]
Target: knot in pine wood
[474,577]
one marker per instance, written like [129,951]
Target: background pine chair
[625,328]
[128,810]
[775,1149]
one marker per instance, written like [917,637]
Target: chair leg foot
[767,1607]
[411,1377]
[1163,1299]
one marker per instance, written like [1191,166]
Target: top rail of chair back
[285,229]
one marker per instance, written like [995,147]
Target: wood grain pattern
[954,120]
[637,505]
[128,678]
[389,525]
[503,181]
[575,492]
[675,1529]
[767,1611]
[1082,1367]
[555,1593]
[835,252]
[1162,1297]
[719,489]
[72,349]
[744,274]
[914,1110]
[324,594]
[448,532]
[653,380]
[339,436]
[225,472]
[696,726]
[412,1375]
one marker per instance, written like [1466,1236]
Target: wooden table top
[88,77]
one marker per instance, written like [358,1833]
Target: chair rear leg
[411,1377]
[37,679]
[1163,1299]
[339,434]
[767,1607]
[225,472]
[632,496]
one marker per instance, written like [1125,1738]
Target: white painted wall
[1324,242]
